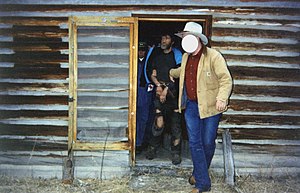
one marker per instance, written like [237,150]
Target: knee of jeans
[195,144]
[210,146]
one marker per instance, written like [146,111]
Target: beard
[165,46]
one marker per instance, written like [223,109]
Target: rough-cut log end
[228,158]
[68,171]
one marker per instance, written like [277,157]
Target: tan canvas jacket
[213,82]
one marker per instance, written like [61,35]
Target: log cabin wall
[259,39]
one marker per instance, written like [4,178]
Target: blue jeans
[202,134]
[142,113]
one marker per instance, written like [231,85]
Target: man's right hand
[159,90]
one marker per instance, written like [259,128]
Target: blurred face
[191,44]
[141,53]
[166,42]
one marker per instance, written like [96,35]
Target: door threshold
[163,159]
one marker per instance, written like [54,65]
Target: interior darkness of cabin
[151,31]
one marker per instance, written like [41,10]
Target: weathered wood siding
[103,83]
[259,39]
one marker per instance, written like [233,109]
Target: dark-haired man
[166,100]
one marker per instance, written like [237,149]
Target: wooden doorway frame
[206,20]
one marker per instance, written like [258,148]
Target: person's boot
[176,158]
[192,180]
[151,153]
[176,151]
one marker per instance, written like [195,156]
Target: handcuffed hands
[159,90]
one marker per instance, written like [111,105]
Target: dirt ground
[144,182]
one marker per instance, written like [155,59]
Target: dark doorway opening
[151,31]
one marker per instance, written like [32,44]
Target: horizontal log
[87,133]
[97,64]
[34,81]
[103,73]
[114,31]
[30,145]
[55,171]
[37,40]
[254,25]
[267,23]
[100,134]
[264,161]
[62,100]
[285,75]
[34,32]
[280,150]
[115,115]
[228,3]
[282,91]
[101,123]
[33,114]
[61,121]
[120,7]
[38,130]
[23,86]
[103,86]
[261,119]
[255,40]
[263,65]
[241,105]
[11,87]
[34,21]
[35,73]
[56,157]
[258,126]
[46,107]
[109,58]
[21,46]
[117,83]
[31,160]
[261,134]
[49,92]
[266,142]
[34,58]
[266,83]
[279,53]
[262,59]
[264,98]
[110,99]
[248,46]
[103,45]
[261,15]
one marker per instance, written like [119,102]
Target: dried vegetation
[149,182]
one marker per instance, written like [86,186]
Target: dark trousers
[172,120]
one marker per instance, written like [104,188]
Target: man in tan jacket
[205,85]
